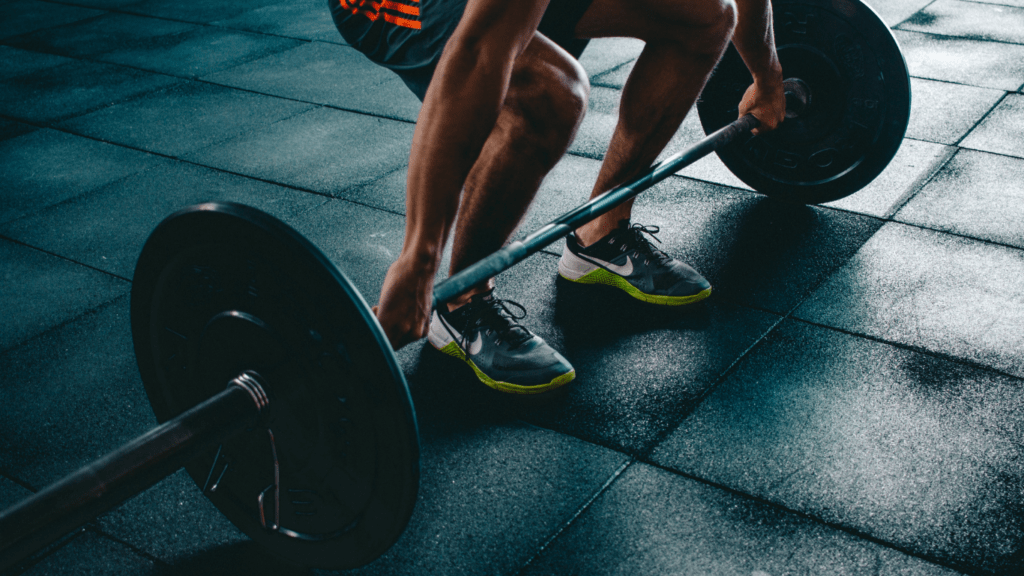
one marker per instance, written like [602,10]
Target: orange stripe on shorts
[357,7]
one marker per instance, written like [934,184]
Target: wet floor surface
[847,402]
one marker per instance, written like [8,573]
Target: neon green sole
[452,349]
[602,276]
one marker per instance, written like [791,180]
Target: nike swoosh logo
[476,345]
[620,269]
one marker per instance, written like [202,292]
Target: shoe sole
[452,349]
[601,276]
[443,343]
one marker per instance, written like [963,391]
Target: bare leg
[684,42]
[546,101]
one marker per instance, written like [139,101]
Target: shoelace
[496,316]
[641,245]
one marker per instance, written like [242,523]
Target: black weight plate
[331,479]
[857,115]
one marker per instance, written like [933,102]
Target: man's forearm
[459,112]
[755,39]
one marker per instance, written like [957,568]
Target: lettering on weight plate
[757,150]
[175,351]
[252,284]
[851,55]
[787,159]
[823,158]
[302,501]
[798,22]
[204,281]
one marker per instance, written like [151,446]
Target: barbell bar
[279,393]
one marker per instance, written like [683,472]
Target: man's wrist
[771,74]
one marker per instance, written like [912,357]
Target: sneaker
[627,260]
[505,356]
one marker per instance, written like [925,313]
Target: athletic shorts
[407,36]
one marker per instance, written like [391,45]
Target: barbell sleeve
[35,522]
[519,250]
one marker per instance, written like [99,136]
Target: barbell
[278,391]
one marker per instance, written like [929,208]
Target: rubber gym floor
[849,400]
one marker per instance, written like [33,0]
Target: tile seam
[586,506]
[980,121]
[966,362]
[58,326]
[197,164]
[953,37]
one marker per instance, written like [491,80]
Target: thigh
[648,20]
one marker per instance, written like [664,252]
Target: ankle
[590,233]
[467,297]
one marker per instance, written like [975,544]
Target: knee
[716,20]
[725,15]
[548,102]
[706,23]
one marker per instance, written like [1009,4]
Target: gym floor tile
[45,167]
[15,62]
[567,186]
[971,20]
[1017,3]
[895,11]
[640,368]
[308,19]
[95,555]
[615,77]
[11,493]
[25,16]
[65,91]
[944,112]
[360,241]
[977,195]
[10,129]
[490,495]
[595,132]
[322,150]
[202,51]
[205,12]
[603,54]
[753,250]
[105,33]
[915,162]
[77,393]
[326,74]
[1001,131]
[106,229]
[911,450]
[950,295]
[106,4]
[386,193]
[172,521]
[985,64]
[184,118]
[654,522]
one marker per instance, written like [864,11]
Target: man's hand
[767,102]
[405,302]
